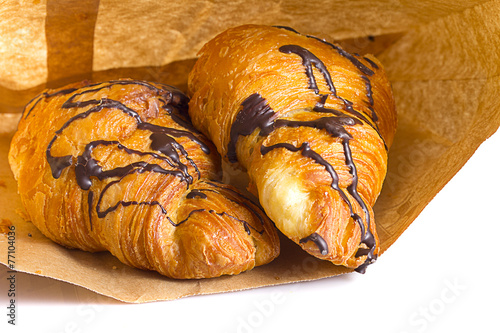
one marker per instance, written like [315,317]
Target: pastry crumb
[5,225]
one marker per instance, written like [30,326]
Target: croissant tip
[362,268]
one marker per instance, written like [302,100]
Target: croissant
[310,123]
[117,166]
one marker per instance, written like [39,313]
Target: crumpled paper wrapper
[441,56]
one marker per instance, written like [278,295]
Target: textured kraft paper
[441,56]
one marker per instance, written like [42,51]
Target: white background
[439,276]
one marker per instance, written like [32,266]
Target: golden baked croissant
[117,166]
[310,123]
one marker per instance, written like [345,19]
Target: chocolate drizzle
[359,65]
[164,149]
[320,107]
[101,214]
[244,201]
[286,28]
[196,194]
[257,114]
[164,146]
[368,60]
[86,166]
[306,151]
[309,59]
[47,95]
[368,90]
[335,126]
[367,237]
[245,224]
[318,240]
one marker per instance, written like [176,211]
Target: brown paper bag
[441,56]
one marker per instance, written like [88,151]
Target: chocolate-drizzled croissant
[310,123]
[117,166]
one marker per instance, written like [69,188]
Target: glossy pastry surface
[117,166]
[311,124]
